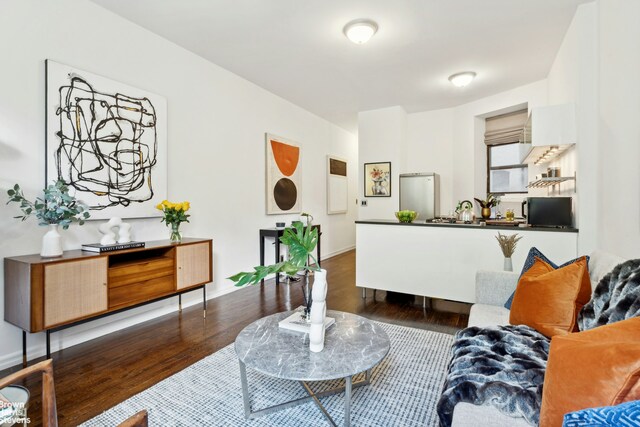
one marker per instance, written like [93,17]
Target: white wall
[429,137]
[449,142]
[216,147]
[594,68]
[573,79]
[382,137]
[619,127]
[469,150]
[600,50]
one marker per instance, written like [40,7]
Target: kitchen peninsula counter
[422,223]
[441,260]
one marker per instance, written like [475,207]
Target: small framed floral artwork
[377,179]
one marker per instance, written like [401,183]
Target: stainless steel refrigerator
[420,192]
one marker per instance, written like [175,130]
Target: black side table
[277,233]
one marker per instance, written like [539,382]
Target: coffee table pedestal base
[347,389]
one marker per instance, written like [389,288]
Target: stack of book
[97,247]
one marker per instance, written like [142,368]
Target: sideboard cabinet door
[194,265]
[74,289]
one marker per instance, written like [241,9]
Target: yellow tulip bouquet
[174,215]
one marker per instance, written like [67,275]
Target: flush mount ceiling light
[462,79]
[360,30]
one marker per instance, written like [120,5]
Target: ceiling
[296,48]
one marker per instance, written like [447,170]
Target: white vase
[318,311]
[508,265]
[51,242]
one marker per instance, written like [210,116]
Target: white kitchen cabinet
[441,261]
[549,130]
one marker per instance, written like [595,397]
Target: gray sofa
[493,288]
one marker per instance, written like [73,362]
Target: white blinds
[505,128]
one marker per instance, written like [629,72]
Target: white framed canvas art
[107,141]
[337,185]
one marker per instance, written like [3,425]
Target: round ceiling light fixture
[462,79]
[360,30]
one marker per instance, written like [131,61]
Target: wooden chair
[49,411]
[138,420]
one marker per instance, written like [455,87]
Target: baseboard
[100,327]
[339,252]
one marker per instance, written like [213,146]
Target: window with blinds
[506,174]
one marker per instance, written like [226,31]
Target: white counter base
[441,262]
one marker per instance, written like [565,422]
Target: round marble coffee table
[352,345]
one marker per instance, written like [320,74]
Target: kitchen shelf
[546,182]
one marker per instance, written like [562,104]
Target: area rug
[404,391]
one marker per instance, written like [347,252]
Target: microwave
[548,211]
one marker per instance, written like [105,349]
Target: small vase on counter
[508,247]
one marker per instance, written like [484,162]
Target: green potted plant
[486,205]
[57,208]
[301,241]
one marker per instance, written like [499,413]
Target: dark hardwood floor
[94,376]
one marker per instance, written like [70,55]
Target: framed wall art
[337,185]
[283,192]
[377,179]
[106,140]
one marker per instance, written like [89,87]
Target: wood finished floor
[94,376]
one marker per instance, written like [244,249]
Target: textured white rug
[404,391]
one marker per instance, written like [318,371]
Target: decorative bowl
[406,216]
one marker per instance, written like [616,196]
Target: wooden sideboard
[49,294]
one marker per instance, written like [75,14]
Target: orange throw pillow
[549,300]
[594,368]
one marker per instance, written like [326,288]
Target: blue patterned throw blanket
[615,298]
[501,365]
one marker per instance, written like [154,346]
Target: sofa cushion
[598,367]
[482,315]
[616,297]
[549,300]
[625,414]
[499,365]
[468,415]
[531,258]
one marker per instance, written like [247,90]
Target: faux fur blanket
[616,297]
[500,365]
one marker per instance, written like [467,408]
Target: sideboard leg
[424,303]
[24,349]
[48,344]
[179,302]
[364,293]
[204,301]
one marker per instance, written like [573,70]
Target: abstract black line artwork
[104,140]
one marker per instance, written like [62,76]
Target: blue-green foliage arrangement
[57,206]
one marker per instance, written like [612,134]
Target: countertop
[422,223]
